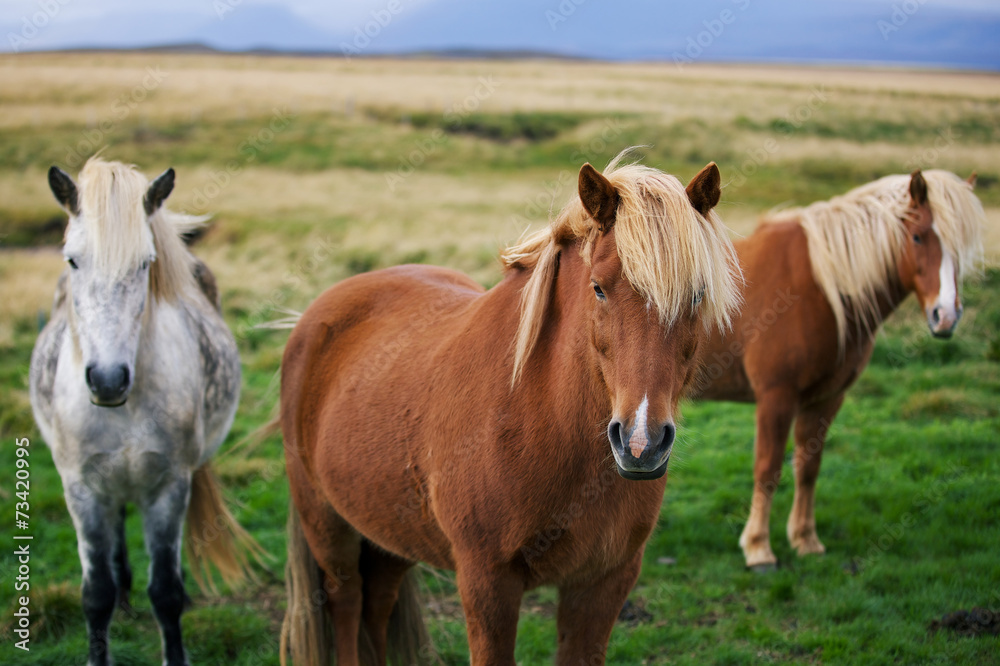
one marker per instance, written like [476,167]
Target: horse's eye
[144,265]
[698,297]
[72,264]
[917,239]
[599,293]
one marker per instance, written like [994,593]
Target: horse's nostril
[615,433]
[669,432]
[108,384]
[936,315]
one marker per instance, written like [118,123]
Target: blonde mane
[856,239]
[669,253]
[111,208]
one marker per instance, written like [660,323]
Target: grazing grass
[339,168]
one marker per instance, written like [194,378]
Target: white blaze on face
[948,290]
[638,441]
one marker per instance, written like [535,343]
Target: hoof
[766,568]
[804,552]
[809,547]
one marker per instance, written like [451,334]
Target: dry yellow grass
[27,283]
[462,219]
[55,88]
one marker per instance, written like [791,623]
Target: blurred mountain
[904,31]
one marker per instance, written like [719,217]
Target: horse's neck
[888,299]
[894,294]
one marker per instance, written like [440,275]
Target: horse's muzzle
[641,455]
[109,386]
[942,321]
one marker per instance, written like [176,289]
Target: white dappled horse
[134,384]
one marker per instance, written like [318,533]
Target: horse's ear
[599,197]
[705,189]
[918,188]
[64,189]
[158,191]
[971,180]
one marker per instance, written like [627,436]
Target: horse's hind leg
[587,615]
[775,411]
[163,518]
[336,545]
[811,427]
[123,569]
[382,573]
[95,535]
[337,549]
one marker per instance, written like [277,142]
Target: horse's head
[926,265]
[662,272]
[109,248]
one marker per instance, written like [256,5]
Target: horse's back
[358,330]
[386,299]
[786,333]
[220,370]
[783,316]
[45,358]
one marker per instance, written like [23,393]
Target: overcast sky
[964,33]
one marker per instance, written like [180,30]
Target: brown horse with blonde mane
[519,436]
[820,281]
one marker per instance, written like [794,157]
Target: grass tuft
[54,609]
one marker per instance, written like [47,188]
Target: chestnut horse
[428,420]
[820,280]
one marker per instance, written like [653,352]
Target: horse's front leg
[491,598]
[123,570]
[775,413]
[163,519]
[587,614]
[95,519]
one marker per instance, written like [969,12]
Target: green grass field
[908,503]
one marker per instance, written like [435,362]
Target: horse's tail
[214,537]
[286,323]
[306,632]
